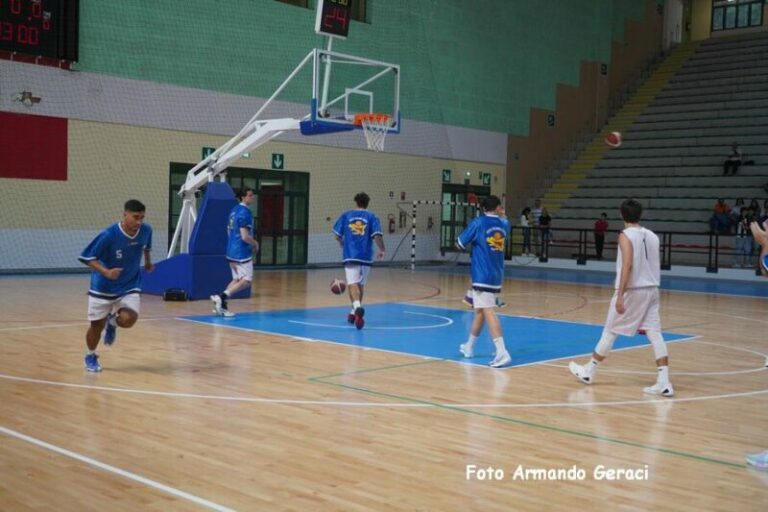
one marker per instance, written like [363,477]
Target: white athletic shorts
[642,312]
[356,273]
[99,308]
[241,270]
[482,300]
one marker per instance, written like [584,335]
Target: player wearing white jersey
[635,303]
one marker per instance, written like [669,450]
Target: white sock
[663,377]
[591,366]
[91,352]
[471,341]
[499,342]
[356,304]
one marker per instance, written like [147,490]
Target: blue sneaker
[758,460]
[92,363]
[110,332]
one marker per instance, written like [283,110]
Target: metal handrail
[580,246]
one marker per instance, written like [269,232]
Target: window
[297,3]
[733,14]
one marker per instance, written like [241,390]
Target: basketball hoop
[375,128]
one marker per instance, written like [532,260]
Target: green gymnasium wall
[480,64]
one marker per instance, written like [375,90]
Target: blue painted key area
[431,331]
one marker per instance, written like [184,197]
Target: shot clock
[333,17]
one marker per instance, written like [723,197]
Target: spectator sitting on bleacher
[735,160]
[720,222]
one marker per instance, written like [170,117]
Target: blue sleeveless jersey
[115,249]
[356,228]
[487,234]
[237,250]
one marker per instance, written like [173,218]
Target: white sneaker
[580,373]
[226,313]
[502,359]
[466,350]
[662,389]
[217,305]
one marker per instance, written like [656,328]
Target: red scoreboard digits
[46,28]
[333,17]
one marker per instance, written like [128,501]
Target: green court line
[506,419]
[380,368]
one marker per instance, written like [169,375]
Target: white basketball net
[375,130]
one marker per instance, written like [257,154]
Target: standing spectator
[733,162]
[545,222]
[525,223]
[535,217]
[735,214]
[601,227]
[720,222]
[742,228]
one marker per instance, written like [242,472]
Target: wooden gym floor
[189,416]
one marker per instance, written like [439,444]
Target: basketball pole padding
[204,270]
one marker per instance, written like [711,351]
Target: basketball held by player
[356,231]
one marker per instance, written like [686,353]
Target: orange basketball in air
[613,139]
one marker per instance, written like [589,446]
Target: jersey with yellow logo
[487,234]
[356,228]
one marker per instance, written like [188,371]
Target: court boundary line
[115,470]
[689,374]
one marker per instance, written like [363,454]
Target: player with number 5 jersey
[114,257]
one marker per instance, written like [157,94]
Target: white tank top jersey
[646,267]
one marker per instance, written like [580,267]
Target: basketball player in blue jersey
[240,247]
[635,303]
[487,235]
[115,258]
[356,230]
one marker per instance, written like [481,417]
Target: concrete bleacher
[673,150]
